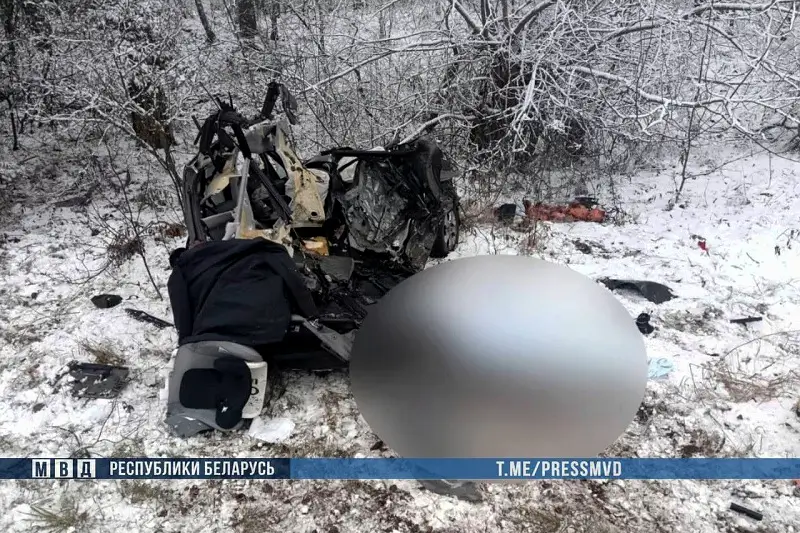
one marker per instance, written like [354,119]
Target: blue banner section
[455,469]
[495,469]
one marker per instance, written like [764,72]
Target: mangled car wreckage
[284,256]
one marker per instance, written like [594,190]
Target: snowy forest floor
[731,392]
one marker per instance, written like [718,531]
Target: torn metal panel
[223,178]
[97,381]
[420,242]
[307,206]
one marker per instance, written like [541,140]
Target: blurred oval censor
[498,356]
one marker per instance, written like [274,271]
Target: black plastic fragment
[505,213]
[652,291]
[746,320]
[643,323]
[589,202]
[106,301]
[744,510]
[96,380]
[582,247]
[147,318]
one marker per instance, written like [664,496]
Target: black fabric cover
[239,290]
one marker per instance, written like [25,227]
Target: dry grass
[689,322]
[744,387]
[138,492]
[168,230]
[537,236]
[702,444]
[68,517]
[103,353]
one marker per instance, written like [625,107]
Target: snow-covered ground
[730,393]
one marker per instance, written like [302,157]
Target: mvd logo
[64,468]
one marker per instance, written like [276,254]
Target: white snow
[273,430]
[730,392]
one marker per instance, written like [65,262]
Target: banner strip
[454,469]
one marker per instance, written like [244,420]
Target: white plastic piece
[258,390]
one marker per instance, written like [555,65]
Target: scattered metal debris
[744,510]
[106,301]
[643,323]
[97,381]
[147,318]
[746,320]
[652,291]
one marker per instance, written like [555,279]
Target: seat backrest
[185,421]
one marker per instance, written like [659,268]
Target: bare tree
[246,18]
[519,85]
[274,10]
[201,13]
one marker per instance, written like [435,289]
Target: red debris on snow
[574,212]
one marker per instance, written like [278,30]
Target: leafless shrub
[124,247]
[548,95]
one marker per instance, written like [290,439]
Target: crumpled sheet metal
[375,214]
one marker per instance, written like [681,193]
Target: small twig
[762,337]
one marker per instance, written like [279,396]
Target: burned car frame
[355,222]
